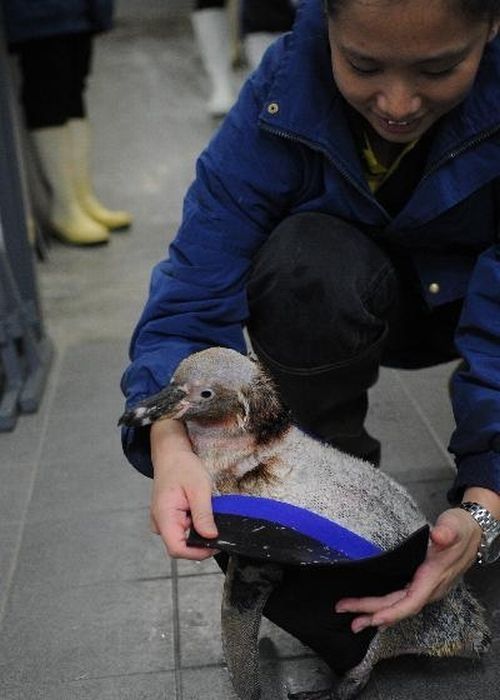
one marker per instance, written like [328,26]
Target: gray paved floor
[90,607]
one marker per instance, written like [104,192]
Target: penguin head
[207,386]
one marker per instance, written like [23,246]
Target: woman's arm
[245,183]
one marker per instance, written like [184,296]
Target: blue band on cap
[326,531]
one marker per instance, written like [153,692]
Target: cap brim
[273,531]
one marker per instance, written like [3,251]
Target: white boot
[68,219]
[211,28]
[79,130]
[256,44]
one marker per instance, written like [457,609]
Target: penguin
[255,454]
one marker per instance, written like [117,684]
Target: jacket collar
[303,101]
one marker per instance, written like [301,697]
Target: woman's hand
[453,545]
[181,491]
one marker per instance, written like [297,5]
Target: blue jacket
[286,148]
[37,19]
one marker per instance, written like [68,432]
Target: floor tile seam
[10,522]
[51,389]
[203,575]
[264,662]
[57,587]
[176,631]
[416,405]
[83,513]
[25,463]
[431,479]
[74,681]
[98,340]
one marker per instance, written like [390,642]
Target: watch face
[493,551]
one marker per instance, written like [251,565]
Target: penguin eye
[206,394]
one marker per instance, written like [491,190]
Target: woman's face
[403,64]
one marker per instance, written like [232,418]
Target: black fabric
[208,4]
[267,16]
[420,337]
[303,603]
[265,540]
[269,541]
[399,186]
[343,306]
[54,72]
[496,198]
[258,15]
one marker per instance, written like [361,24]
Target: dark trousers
[208,4]
[267,16]
[329,306]
[259,15]
[54,72]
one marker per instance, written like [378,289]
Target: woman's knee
[319,290]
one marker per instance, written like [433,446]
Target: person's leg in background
[320,297]
[47,78]
[80,139]
[211,28]
[54,73]
[262,22]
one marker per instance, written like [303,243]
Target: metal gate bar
[25,350]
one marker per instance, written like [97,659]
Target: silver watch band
[486,522]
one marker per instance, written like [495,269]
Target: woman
[346,213]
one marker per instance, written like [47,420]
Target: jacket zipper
[451,155]
[316,147]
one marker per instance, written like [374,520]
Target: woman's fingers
[369,604]
[152,524]
[200,503]
[451,552]
[386,610]
[411,604]
[173,531]
[179,508]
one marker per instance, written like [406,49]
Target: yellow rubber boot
[69,221]
[79,130]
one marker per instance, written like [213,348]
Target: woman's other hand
[453,545]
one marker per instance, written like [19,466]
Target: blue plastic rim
[326,531]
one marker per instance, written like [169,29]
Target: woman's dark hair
[476,10]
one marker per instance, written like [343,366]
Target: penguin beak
[168,403]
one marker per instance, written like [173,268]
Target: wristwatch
[489,548]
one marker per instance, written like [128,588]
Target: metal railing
[25,350]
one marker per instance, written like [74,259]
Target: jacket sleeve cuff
[476,470]
[135,443]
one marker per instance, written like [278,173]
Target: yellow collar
[377,173]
